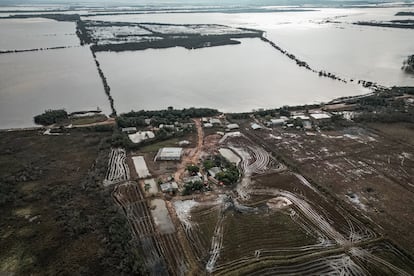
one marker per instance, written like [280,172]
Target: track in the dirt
[118,170]
[162,252]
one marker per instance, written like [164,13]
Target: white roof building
[255,126]
[169,154]
[208,125]
[232,126]
[169,187]
[303,117]
[320,116]
[129,129]
[140,136]
[215,121]
[213,171]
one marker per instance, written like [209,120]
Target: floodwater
[232,78]
[350,51]
[33,33]
[32,82]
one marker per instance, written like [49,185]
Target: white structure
[277,122]
[213,171]
[169,187]
[208,125]
[140,166]
[129,129]
[302,117]
[256,126]
[169,154]
[320,116]
[141,136]
[215,121]
[232,126]
[184,143]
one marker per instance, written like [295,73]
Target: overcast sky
[195,2]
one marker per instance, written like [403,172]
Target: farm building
[169,154]
[320,116]
[215,121]
[129,130]
[141,136]
[213,171]
[184,143]
[301,116]
[276,122]
[193,179]
[255,126]
[232,126]
[169,187]
[140,166]
[307,125]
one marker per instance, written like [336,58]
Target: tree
[51,117]
[193,169]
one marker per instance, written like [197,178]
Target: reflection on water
[231,78]
[34,81]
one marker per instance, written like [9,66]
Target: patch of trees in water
[302,63]
[408,64]
[401,24]
[189,42]
[404,13]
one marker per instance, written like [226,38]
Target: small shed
[169,187]
[169,154]
[232,126]
[129,130]
[255,126]
[213,171]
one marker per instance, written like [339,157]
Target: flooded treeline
[105,84]
[321,73]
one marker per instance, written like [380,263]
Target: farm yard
[305,202]
[283,216]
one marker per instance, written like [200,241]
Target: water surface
[232,78]
[35,81]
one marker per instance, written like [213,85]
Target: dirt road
[193,154]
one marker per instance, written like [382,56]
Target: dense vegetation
[56,218]
[386,106]
[50,117]
[408,65]
[230,173]
[190,42]
[400,24]
[166,116]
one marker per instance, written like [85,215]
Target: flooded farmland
[32,33]
[34,81]
[230,78]
[356,52]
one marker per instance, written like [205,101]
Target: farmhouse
[320,116]
[276,122]
[255,126]
[213,171]
[232,126]
[169,154]
[129,130]
[169,187]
